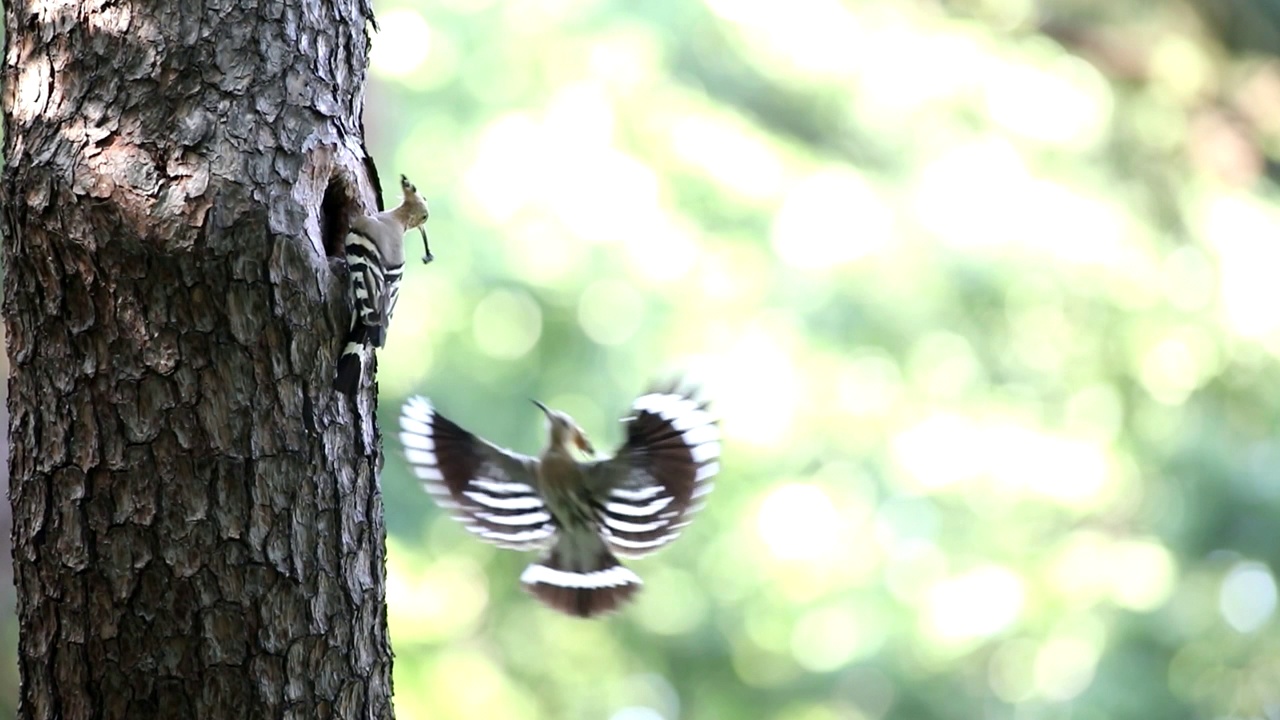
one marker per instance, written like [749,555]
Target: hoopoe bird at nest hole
[375,262]
[585,512]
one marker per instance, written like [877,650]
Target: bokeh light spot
[831,218]
[543,253]
[441,600]
[1142,574]
[664,251]
[610,311]
[467,683]
[651,691]
[1175,365]
[913,567]
[869,385]
[756,387]
[939,451]
[1066,662]
[810,36]
[976,604]
[1241,230]
[982,197]
[826,639]
[581,114]
[403,43]
[1077,568]
[507,324]
[1066,103]
[1247,599]
[966,195]
[606,195]
[946,449]
[1096,412]
[743,163]
[504,175]
[798,522]
[1070,471]
[1190,281]
[944,365]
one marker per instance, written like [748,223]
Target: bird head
[413,213]
[564,431]
[414,210]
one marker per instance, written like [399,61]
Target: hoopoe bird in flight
[375,261]
[584,513]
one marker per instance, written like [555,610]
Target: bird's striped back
[373,290]
[375,284]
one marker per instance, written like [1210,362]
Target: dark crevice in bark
[371,170]
[340,204]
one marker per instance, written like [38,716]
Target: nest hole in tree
[338,206]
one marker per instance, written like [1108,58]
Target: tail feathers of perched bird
[347,378]
[351,362]
[586,511]
[375,264]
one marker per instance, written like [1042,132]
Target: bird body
[583,513]
[375,261]
[559,478]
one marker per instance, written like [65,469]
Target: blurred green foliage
[983,291]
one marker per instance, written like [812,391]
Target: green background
[984,291]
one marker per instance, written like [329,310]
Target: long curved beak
[542,407]
[426,249]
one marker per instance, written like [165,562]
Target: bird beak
[542,407]
[426,249]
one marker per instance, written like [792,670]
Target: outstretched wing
[489,490]
[646,493]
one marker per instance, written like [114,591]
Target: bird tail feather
[347,378]
[581,578]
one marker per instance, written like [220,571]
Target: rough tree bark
[198,530]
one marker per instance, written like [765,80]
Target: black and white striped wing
[646,494]
[489,490]
[368,285]
[393,276]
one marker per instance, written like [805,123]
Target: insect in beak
[427,257]
[583,443]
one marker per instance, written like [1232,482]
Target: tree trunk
[198,530]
